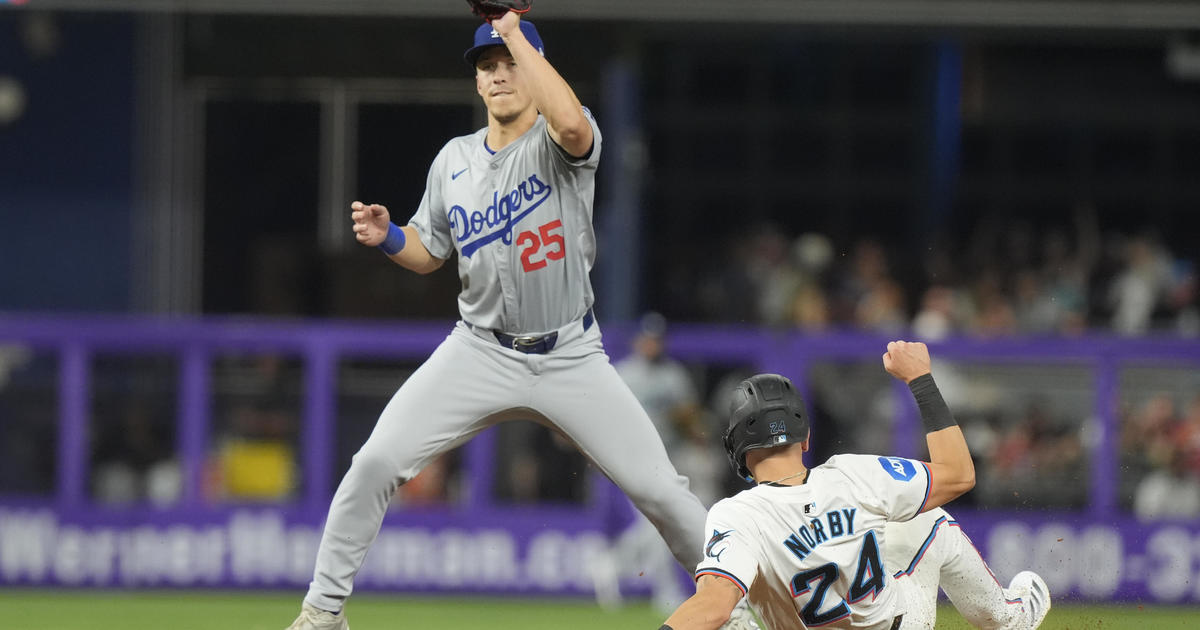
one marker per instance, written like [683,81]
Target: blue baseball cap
[486,37]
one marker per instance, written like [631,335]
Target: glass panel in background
[396,143]
[256,425]
[261,174]
[536,465]
[364,388]
[716,383]
[28,421]
[1029,427]
[1025,424]
[133,432]
[1160,442]
[852,408]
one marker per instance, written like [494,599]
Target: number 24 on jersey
[868,580]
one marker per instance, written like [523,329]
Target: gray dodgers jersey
[817,548]
[521,222]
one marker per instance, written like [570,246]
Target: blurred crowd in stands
[1006,278]
[1030,430]
[1160,457]
[1029,455]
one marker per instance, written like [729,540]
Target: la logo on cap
[495,35]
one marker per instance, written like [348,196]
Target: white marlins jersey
[521,222]
[818,546]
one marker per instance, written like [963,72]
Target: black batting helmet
[766,410]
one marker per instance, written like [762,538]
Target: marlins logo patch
[718,537]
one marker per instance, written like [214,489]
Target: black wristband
[665,627]
[935,414]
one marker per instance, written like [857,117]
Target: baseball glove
[495,9]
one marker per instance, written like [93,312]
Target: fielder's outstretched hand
[508,23]
[371,222]
[906,360]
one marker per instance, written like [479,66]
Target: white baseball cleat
[313,618]
[742,618]
[1033,589]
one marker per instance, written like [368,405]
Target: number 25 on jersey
[548,236]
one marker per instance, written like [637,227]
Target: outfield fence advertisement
[1098,552]
[1122,560]
[272,548]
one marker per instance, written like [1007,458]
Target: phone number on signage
[1098,561]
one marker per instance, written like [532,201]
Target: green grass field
[173,610]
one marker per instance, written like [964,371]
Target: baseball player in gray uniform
[808,547]
[514,201]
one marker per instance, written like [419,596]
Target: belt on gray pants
[537,344]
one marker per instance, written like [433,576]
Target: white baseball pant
[931,550]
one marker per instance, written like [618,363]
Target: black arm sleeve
[935,414]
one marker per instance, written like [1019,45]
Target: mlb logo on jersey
[898,467]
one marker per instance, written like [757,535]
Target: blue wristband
[394,242]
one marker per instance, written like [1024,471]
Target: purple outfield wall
[512,552]
[1097,553]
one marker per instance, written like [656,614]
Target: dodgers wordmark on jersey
[818,544]
[509,214]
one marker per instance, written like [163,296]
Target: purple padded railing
[321,344]
[1100,553]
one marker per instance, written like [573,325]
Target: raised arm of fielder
[373,225]
[550,93]
[951,470]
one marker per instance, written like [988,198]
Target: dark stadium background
[174,184]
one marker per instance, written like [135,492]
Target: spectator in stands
[434,485]
[665,389]
[729,291]
[1140,286]
[1187,435]
[1004,280]
[256,457]
[994,315]
[1183,298]
[1168,492]
[1148,433]
[853,283]
[809,309]
[938,317]
[134,458]
[793,293]
[1037,460]
[1160,452]
[881,308]
[1036,309]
